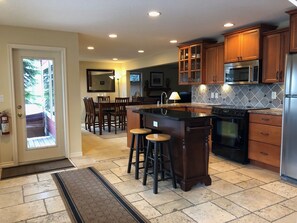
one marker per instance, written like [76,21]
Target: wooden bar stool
[140,148]
[156,155]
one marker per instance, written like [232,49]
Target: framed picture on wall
[156,79]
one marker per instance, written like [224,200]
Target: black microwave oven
[245,72]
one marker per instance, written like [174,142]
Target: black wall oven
[230,133]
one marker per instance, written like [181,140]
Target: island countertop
[172,114]
[174,105]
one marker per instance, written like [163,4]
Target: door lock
[19,107]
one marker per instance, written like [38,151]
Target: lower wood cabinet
[265,139]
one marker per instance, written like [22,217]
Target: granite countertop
[176,105]
[271,111]
[172,114]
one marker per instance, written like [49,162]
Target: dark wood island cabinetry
[189,132]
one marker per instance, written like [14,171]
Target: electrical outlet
[216,95]
[273,95]
[211,95]
[155,123]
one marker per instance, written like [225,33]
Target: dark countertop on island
[271,111]
[172,114]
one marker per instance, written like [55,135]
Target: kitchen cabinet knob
[280,76]
[263,153]
[264,133]
[265,119]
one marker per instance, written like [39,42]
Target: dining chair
[106,111]
[119,114]
[94,114]
[87,110]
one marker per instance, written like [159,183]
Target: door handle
[20,115]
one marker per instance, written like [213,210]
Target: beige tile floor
[238,194]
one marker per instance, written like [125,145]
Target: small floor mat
[28,169]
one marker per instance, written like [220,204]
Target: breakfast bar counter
[189,132]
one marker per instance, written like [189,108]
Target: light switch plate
[273,95]
[155,123]
[1,98]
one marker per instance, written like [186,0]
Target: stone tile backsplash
[259,95]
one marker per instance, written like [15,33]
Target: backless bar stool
[140,134]
[156,155]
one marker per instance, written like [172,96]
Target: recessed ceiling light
[294,2]
[173,41]
[90,47]
[140,51]
[113,35]
[115,59]
[228,24]
[154,13]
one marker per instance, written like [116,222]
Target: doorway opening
[135,84]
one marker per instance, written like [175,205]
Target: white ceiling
[183,20]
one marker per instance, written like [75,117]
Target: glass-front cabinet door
[190,65]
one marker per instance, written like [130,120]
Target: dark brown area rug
[89,197]
[28,169]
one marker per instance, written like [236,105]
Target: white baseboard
[77,154]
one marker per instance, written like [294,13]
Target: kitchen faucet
[162,97]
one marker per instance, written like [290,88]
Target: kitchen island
[189,132]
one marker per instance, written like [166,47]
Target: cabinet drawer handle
[277,75]
[264,133]
[265,154]
[265,119]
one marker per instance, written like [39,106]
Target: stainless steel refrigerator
[289,129]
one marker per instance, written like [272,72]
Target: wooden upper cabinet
[214,65]
[244,44]
[191,63]
[232,48]
[275,48]
[250,44]
[293,30]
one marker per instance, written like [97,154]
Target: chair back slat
[103,99]
[91,105]
[86,103]
[120,104]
